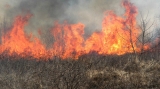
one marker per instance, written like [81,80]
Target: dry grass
[89,72]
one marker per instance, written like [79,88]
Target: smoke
[145,6]
[88,12]
[45,12]
[149,10]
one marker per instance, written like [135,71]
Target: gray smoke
[88,12]
[45,12]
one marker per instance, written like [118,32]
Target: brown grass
[89,72]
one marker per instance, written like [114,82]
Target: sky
[88,12]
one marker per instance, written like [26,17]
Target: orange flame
[68,40]
[118,36]
[15,41]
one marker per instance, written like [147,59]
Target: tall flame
[68,40]
[15,41]
[118,36]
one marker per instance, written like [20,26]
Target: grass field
[90,71]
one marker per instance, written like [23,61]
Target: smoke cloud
[88,12]
[45,12]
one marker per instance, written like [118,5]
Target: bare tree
[146,34]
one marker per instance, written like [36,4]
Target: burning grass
[26,63]
[119,35]
[88,72]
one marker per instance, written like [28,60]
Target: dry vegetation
[90,71]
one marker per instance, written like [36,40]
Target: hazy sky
[88,12]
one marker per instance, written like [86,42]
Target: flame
[68,40]
[118,36]
[16,41]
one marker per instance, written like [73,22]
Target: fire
[68,40]
[16,41]
[118,36]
